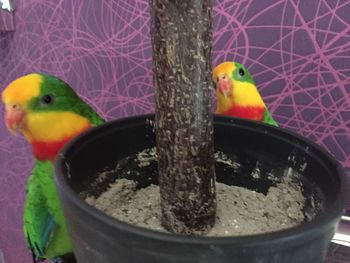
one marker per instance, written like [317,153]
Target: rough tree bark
[181,40]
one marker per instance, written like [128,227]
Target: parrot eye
[47,99]
[241,72]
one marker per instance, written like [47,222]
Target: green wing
[59,243]
[268,118]
[36,214]
[91,115]
[44,226]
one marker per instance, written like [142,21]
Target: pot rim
[311,229]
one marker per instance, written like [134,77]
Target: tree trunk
[181,39]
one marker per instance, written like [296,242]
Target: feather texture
[51,114]
[44,227]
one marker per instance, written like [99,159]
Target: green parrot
[48,113]
[237,94]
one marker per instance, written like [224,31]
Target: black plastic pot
[98,238]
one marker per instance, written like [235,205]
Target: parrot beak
[224,85]
[14,116]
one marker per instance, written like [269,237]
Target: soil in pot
[240,211]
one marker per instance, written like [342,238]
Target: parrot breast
[255,113]
[48,132]
[48,150]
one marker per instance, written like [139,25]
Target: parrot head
[235,87]
[46,110]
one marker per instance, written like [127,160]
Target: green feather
[35,213]
[268,118]
[44,225]
[64,98]
[242,78]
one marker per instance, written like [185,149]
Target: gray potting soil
[240,211]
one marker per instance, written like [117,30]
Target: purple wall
[297,51]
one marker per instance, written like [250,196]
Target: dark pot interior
[100,238]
